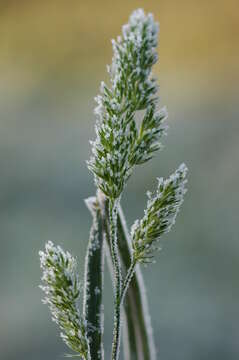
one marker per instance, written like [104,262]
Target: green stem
[113,205]
[138,337]
[127,280]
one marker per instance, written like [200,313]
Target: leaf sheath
[93,283]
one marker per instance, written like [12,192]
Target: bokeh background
[52,58]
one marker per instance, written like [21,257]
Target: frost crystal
[119,144]
[159,216]
[61,287]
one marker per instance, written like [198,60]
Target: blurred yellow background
[53,55]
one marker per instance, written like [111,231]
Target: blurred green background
[52,57]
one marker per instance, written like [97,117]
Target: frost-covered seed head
[119,143]
[62,288]
[160,214]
